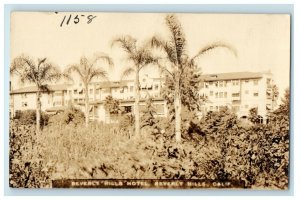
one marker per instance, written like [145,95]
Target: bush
[71,115]
[27,163]
[29,117]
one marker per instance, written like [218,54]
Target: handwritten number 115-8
[76,19]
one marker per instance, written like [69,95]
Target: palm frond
[127,43]
[97,73]
[44,88]
[164,69]
[73,68]
[103,57]
[213,46]
[21,63]
[128,71]
[48,72]
[178,37]
[167,47]
[41,61]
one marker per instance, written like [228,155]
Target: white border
[296,76]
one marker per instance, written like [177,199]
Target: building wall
[238,94]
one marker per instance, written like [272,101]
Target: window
[217,108]
[131,88]
[210,83]
[235,94]
[221,95]
[58,103]
[223,107]
[160,109]
[58,94]
[247,92]
[98,91]
[91,91]
[128,109]
[75,91]
[220,83]
[216,83]
[246,81]
[235,82]
[24,96]
[268,81]
[255,94]
[216,95]
[255,82]
[211,93]
[156,87]
[225,94]
[235,108]
[211,107]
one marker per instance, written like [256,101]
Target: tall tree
[140,57]
[275,95]
[87,71]
[177,62]
[39,73]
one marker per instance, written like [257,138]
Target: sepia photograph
[149,100]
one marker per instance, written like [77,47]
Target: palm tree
[39,73]
[87,71]
[177,61]
[139,57]
[275,95]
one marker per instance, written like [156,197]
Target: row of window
[235,108]
[224,94]
[224,83]
[122,90]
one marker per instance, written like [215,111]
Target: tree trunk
[38,111]
[177,104]
[136,105]
[87,112]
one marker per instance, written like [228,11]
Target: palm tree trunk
[136,105]
[177,104]
[38,110]
[86,105]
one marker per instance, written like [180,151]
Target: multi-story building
[239,91]
[25,98]
[58,97]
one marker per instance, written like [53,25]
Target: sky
[262,41]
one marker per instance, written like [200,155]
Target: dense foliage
[29,117]
[218,147]
[71,115]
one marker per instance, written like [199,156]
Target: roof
[33,89]
[110,84]
[56,108]
[232,76]
[95,102]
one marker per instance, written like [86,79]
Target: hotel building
[239,91]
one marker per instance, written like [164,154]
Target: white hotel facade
[239,91]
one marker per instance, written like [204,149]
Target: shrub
[27,163]
[29,117]
[71,115]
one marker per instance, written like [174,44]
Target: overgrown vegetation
[217,147]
